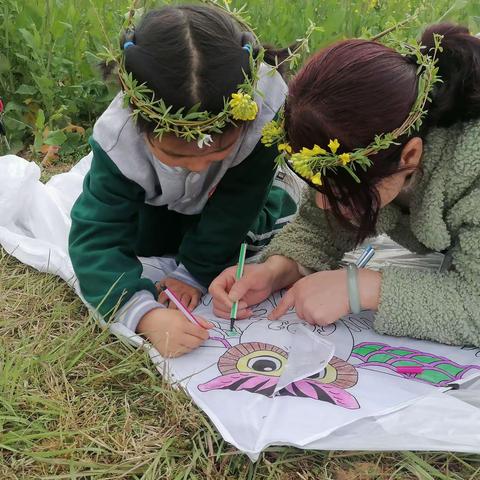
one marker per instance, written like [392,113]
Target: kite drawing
[256,368]
[255,353]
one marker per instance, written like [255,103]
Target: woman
[423,190]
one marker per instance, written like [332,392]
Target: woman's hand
[188,295]
[258,282]
[255,286]
[322,298]
[171,333]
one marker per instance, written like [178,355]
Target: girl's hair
[190,54]
[356,89]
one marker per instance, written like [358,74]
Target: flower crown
[313,164]
[193,124]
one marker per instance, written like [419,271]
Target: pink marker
[181,306]
[412,369]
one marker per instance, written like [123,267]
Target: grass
[49,78]
[75,403]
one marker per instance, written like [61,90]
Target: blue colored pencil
[366,256]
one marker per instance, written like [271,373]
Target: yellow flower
[345,158]
[243,107]
[333,145]
[316,179]
[284,147]
[301,165]
[313,152]
[271,132]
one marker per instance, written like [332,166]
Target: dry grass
[76,404]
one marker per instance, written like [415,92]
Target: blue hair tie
[127,44]
[248,48]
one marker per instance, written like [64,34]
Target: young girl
[187,176]
[423,190]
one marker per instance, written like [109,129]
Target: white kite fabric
[233,378]
[278,382]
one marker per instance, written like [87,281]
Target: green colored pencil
[238,276]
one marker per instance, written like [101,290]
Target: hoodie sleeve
[103,237]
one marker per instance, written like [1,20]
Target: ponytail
[457,97]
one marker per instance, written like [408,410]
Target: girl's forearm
[284,271]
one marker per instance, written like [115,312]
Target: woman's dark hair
[356,89]
[190,54]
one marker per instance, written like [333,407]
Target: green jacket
[444,216]
[112,225]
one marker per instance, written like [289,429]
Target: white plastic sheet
[35,217]
[233,377]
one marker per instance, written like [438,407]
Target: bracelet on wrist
[353,291]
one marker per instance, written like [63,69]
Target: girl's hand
[258,282]
[322,298]
[171,333]
[188,295]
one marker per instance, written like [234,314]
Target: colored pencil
[238,276]
[173,298]
[409,369]
[365,257]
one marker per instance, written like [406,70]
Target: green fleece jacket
[444,217]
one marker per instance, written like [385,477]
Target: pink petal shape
[321,391]
[255,383]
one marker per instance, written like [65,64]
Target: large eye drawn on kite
[253,357]
[255,367]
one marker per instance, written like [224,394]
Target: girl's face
[176,152]
[389,187]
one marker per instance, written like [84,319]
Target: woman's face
[177,152]
[389,187]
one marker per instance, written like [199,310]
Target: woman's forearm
[284,271]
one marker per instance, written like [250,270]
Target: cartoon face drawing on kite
[255,367]
[256,353]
